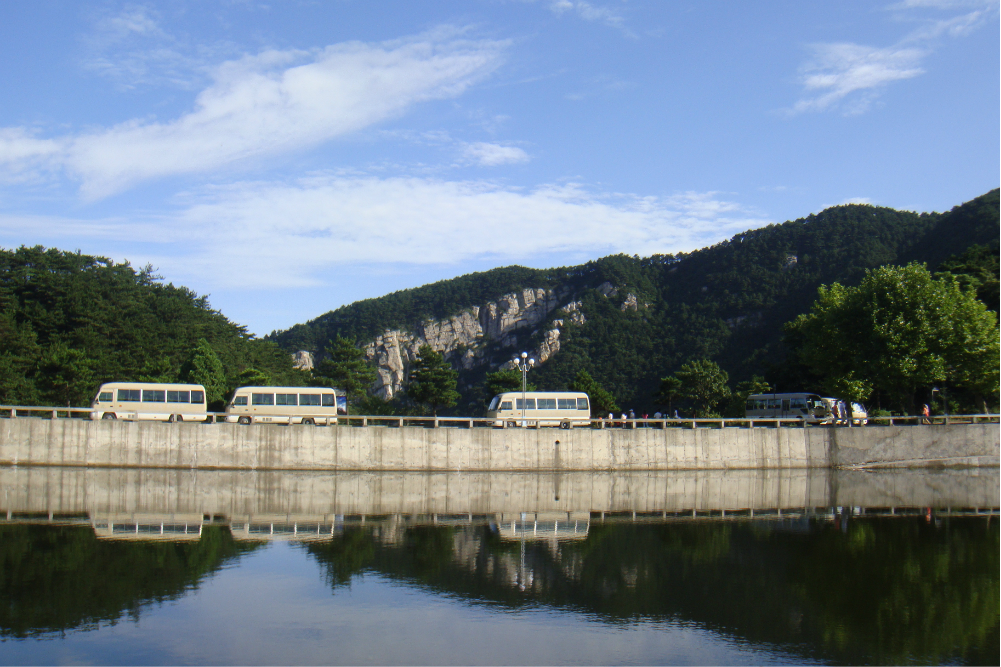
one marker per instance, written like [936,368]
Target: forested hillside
[728,302]
[70,321]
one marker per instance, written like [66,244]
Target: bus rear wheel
[244,420]
[109,415]
[175,418]
[307,422]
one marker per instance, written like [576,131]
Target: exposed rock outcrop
[464,338]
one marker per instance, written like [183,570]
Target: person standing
[926,414]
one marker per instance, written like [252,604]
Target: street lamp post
[523,363]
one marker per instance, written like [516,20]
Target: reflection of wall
[236,494]
[271,447]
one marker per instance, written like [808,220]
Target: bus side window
[177,396]
[582,404]
[529,404]
[566,403]
[506,405]
[547,403]
[154,396]
[493,403]
[125,395]
[286,399]
[197,397]
[240,400]
[309,399]
[328,400]
[105,396]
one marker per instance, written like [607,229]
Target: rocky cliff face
[476,337]
[467,339]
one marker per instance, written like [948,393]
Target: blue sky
[290,157]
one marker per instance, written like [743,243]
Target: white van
[565,409]
[158,401]
[283,405]
[810,407]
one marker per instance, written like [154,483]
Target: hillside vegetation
[728,302]
[69,322]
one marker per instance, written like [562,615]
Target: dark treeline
[69,322]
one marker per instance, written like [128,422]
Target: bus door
[785,407]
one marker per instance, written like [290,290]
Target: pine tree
[602,402]
[432,381]
[345,369]
[205,369]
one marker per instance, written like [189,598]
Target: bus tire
[308,422]
[566,425]
[243,420]
[512,424]
[109,415]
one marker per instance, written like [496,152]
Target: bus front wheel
[109,415]
[307,422]
[244,420]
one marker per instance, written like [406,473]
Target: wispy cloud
[849,77]
[252,235]
[491,155]
[266,104]
[591,12]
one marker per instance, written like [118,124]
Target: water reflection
[837,582]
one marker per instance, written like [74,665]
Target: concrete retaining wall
[236,493]
[271,447]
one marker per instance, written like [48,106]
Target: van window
[154,396]
[178,396]
[566,403]
[286,399]
[547,403]
[529,403]
[105,396]
[582,404]
[240,400]
[328,400]
[309,399]
[506,405]
[493,403]
[198,397]
[262,399]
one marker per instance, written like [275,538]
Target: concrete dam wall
[74,442]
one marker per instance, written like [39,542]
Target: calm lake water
[118,567]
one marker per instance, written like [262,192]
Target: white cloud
[589,12]
[268,104]
[491,155]
[839,70]
[850,76]
[253,235]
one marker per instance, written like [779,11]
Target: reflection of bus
[160,401]
[283,405]
[811,407]
[541,408]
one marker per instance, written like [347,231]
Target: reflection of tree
[58,578]
[889,590]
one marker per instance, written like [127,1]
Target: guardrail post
[436,422]
[364,421]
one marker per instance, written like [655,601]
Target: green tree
[66,375]
[898,332]
[670,389]
[432,381]
[756,385]
[252,377]
[602,402]
[704,383]
[345,368]
[158,369]
[505,380]
[204,368]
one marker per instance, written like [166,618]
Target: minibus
[565,409]
[158,401]
[283,405]
[810,407]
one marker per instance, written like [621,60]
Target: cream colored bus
[158,401]
[283,405]
[565,409]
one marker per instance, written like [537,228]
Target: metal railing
[48,412]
